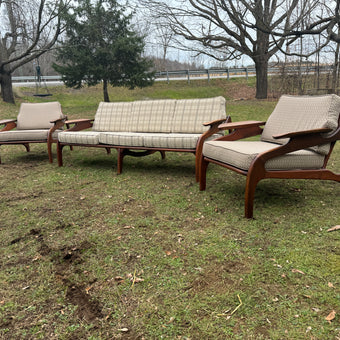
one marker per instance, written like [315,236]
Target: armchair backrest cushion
[33,116]
[299,113]
[190,114]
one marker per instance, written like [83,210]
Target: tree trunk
[261,66]
[6,86]
[106,94]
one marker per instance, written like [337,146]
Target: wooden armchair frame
[257,171]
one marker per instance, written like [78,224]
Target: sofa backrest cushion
[34,116]
[299,113]
[152,115]
[113,116]
[190,114]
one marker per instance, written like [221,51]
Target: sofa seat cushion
[79,137]
[171,140]
[240,154]
[122,138]
[26,135]
[293,114]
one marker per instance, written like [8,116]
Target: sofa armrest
[9,124]
[79,124]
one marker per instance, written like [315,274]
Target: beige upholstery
[240,154]
[301,113]
[34,116]
[26,135]
[191,113]
[163,123]
[75,137]
[152,115]
[113,117]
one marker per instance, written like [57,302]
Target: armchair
[36,123]
[296,142]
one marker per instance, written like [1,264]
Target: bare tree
[229,29]
[28,29]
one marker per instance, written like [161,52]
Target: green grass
[88,254]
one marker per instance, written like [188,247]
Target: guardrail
[204,73]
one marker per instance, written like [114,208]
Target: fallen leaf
[337,227]
[124,330]
[330,316]
[330,285]
[298,271]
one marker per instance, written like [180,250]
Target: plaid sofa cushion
[113,117]
[79,137]
[152,115]
[190,114]
[298,113]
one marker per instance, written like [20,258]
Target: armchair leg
[49,150]
[251,184]
[203,173]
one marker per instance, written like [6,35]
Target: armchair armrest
[241,125]
[240,130]
[302,133]
[58,123]
[9,124]
[217,122]
[79,124]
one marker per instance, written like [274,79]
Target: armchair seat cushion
[26,135]
[79,137]
[240,154]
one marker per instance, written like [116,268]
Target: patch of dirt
[87,309]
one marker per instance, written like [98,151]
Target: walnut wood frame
[10,124]
[82,124]
[257,171]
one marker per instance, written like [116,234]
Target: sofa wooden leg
[60,154]
[120,161]
[27,146]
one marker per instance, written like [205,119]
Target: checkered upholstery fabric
[79,137]
[113,117]
[190,114]
[34,116]
[299,113]
[152,115]
[240,154]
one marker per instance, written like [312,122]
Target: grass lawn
[88,254]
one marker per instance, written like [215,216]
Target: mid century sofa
[143,127]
